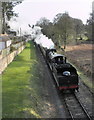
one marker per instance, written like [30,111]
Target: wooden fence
[7,58]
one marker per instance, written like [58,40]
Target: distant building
[11,32]
[4,41]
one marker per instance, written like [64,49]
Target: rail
[75,107]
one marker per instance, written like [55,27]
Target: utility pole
[59,41]
[0,17]
[20,32]
[21,36]
[0,73]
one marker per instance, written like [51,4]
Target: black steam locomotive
[64,73]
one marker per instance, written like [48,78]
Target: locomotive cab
[58,60]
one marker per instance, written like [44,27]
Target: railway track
[75,107]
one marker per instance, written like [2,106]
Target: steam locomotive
[64,73]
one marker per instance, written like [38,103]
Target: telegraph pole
[0,73]
[0,17]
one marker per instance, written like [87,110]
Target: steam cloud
[41,39]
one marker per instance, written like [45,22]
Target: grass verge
[16,86]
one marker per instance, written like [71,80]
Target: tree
[64,24]
[90,27]
[78,28]
[57,18]
[45,24]
[8,13]
[64,29]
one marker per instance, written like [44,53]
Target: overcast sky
[31,11]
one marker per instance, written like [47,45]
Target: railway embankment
[7,56]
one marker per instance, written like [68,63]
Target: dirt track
[81,56]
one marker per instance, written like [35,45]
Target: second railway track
[75,107]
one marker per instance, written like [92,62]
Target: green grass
[16,85]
